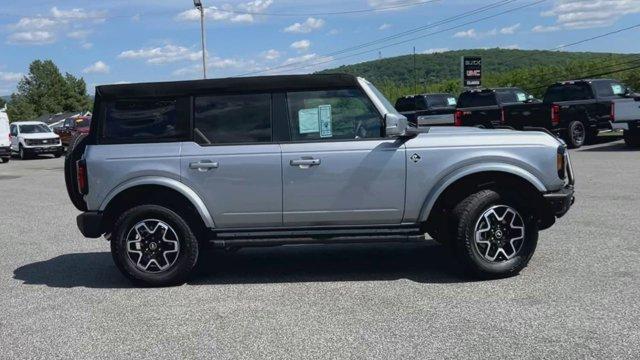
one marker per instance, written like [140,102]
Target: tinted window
[442,101]
[142,120]
[608,89]
[228,119]
[405,104]
[479,98]
[568,92]
[332,114]
[421,103]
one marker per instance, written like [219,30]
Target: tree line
[45,90]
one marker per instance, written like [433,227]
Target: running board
[354,239]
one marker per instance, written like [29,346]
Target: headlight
[560,162]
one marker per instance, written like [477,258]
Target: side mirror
[397,126]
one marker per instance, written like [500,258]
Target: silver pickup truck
[169,168]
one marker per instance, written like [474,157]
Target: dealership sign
[471,71]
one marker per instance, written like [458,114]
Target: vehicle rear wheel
[632,138]
[495,236]
[154,246]
[576,134]
[5,159]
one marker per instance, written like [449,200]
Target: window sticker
[324,112]
[617,89]
[521,97]
[451,101]
[308,121]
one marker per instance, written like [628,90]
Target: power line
[254,13]
[395,43]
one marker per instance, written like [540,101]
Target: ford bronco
[168,168]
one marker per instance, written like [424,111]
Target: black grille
[32,142]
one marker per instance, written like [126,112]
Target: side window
[139,120]
[332,114]
[225,119]
[405,104]
[604,88]
[439,101]
[68,122]
[421,103]
[14,130]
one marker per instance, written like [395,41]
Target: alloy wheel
[578,133]
[153,246]
[499,233]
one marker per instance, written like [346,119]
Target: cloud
[99,67]
[543,29]
[435,50]
[10,76]
[510,29]
[384,26]
[241,13]
[87,45]
[40,30]
[270,54]
[471,33]
[79,34]
[31,38]
[301,45]
[578,14]
[308,26]
[162,55]
[333,32]
[215,63]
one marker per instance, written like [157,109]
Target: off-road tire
[632,139]
[466,215]
[179,272]
[576,134]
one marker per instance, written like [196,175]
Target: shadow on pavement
[609,147]
[424,262]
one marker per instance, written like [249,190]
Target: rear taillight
[613,112]
[457,119]
[81,177]
[555,115]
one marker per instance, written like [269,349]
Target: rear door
[233,162]
[437,109]
[338,169]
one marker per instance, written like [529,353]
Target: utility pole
[415,74]
[198,5]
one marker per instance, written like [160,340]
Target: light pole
[198,5]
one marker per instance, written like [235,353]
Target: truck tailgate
[627,109]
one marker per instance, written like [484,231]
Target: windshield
[34,129]
[83,122]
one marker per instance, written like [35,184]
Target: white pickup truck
[625,115]
[5,150]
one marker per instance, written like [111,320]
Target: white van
[5,139]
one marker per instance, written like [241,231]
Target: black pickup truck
[428,109]
[487,108]
[577,110]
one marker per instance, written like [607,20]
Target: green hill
[438,67]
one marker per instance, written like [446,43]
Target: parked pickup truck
[486,108]
[625,115]
[168,168]
[428,109]
[72,128]
[576,110]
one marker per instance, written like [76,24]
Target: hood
[40,136]
[449,136]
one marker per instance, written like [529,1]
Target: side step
[274,237]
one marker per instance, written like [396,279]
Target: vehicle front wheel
[154,246]
[632,138]
[495,236]
[22,153]
[576,134]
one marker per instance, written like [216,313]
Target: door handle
[305,163]
[204,165]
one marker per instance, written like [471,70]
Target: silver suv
[169,168]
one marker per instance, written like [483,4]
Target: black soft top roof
[227,85]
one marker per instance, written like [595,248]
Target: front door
[337,169]
[233,163]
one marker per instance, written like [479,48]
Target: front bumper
[43,149]
[5,151]
[560,201]
[90,224]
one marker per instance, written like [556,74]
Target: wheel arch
[464,182]
[156,190]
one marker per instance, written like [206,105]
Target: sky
[122,41]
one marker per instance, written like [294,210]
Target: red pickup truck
[73,127]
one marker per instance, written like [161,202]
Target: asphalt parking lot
[62,297]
